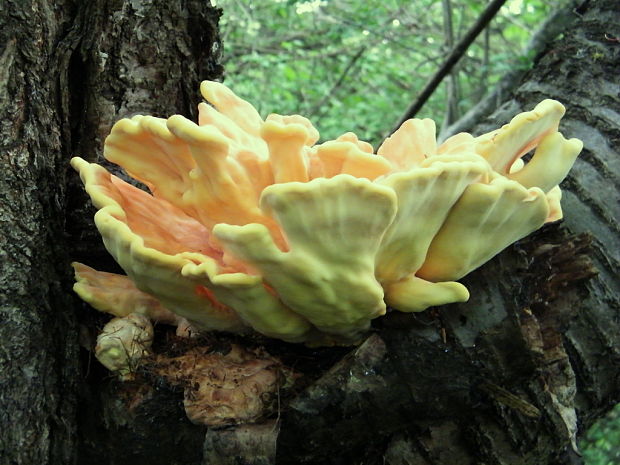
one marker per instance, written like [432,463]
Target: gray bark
[68,70]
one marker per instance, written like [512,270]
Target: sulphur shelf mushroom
[251,226]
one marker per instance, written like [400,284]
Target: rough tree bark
[511,377]
[68,70]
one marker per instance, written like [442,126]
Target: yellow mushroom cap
[250,225]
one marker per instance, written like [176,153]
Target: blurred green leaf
[601,444]
[301,59]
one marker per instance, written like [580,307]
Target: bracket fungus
[251,226]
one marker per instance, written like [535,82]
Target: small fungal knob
[123,343]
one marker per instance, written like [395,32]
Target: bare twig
[559,21]
[339,81]
[457,52]
[452,83]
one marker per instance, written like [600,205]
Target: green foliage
[351,65]
[601,446]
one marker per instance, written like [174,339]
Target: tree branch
[456,54]
[559,21]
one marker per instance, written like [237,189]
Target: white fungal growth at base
[123,343]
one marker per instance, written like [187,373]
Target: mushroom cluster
[251,225]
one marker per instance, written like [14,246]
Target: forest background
[363,63]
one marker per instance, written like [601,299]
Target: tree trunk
[511,377]
[68,70]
